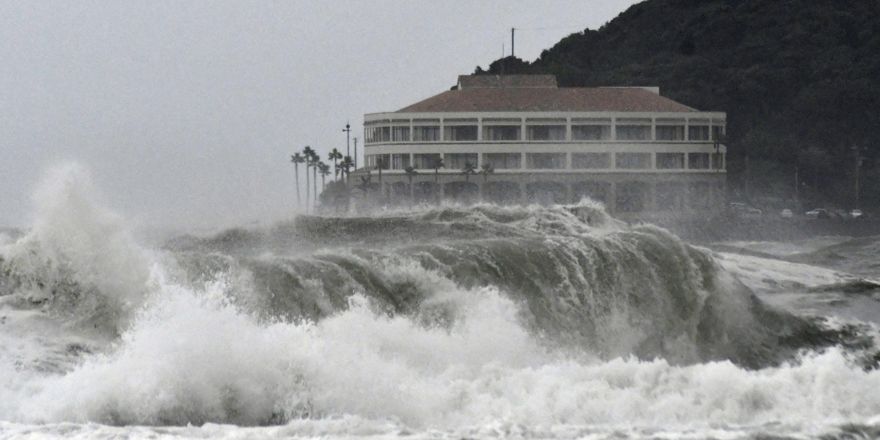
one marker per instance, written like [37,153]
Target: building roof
[539,93]
[499,81]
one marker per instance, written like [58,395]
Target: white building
[629,147]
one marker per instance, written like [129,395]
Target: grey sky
[186,112]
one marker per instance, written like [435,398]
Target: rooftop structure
[500,94]
[629,147]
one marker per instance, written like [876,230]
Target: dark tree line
[799,80]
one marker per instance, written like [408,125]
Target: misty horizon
[186,114]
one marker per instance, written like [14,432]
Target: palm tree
[485,171]
[315,161]
[365,184]
[410,173]
[468,170]
[345,167]
[380,164]
[334,156]
[324,169]
[308,152]
[438,163]
[297,159]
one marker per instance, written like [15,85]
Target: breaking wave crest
[450,319]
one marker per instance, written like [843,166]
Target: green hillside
[799,80]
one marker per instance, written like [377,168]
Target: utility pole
[347,131]
[355,153]
[512,31]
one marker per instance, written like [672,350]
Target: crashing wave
[443,318]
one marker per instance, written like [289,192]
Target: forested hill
[799,80]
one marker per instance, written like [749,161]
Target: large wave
[580,278]
[446,318]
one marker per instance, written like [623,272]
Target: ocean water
[448,322]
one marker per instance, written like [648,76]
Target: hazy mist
[186,112]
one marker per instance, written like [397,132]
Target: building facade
[629,147]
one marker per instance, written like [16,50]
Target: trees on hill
[792,76]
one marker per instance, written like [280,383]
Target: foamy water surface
[102,337]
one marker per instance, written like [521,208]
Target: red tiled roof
[528,99]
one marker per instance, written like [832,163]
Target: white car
[856,213]
[786,213]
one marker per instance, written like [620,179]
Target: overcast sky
[186,112]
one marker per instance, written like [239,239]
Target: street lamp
[347,131]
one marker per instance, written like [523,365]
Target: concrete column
[613,129]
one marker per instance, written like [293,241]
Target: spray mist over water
[527,317]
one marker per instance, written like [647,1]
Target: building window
[546,132]
[377,134]
[501,132]
[460,133]
[590,132]
[717,132]
[717,161]
[503,161]
[545,161]
[399,161]
[632,196]
[400,134]
[670,161]
[426,134]
[633,161]
[591,161]
[383,161]
[375,160]
[670,132]
[698,161]
[457,161]
[425,161]
[698,132]
[633,132]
